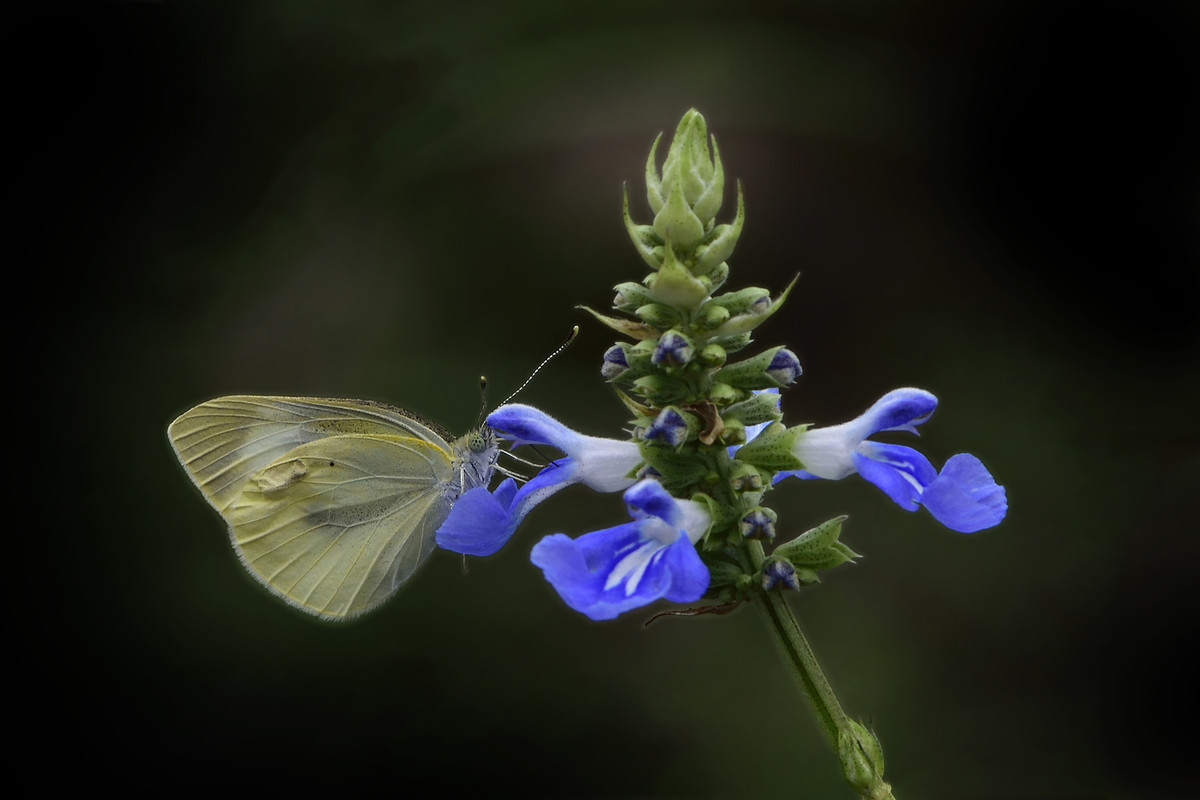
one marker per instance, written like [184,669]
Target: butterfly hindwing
[337,525]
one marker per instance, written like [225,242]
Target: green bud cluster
[692,396]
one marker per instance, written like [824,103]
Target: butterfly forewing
[332,504]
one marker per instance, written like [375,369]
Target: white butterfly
[331,504]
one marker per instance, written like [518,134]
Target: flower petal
[899,410]
[901,472]
[478,524]
[602,464]
[606,573]
[965,497]
[523,424]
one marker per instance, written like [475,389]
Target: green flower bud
[672,427]
[774,368]
[722,394]
[690,167]
[745,478]
[658,315]
[711,356]
[754,316]
[862,760]
[743,301]
[758,523]
[734,433]
[659,390]
[712,317]
[779,574]
[631,296]
[674,350]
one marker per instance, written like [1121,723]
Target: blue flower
[608,572]
[481,522]
[964,497]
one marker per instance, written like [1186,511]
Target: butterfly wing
[331,504]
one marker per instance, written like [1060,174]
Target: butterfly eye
[477,442]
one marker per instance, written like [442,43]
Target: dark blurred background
[994,201]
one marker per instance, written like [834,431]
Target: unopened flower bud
[759,523]
[674,350]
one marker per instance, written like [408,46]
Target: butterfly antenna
[545,361]
[483,400]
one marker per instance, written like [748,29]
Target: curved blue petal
[965,497]
[648,498]
[900,410]
[901,472]
[606,573]
[478,524]
[527,425]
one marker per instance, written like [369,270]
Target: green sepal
[741,301]
[653,182]
[716,278]
[733,344]
[818,548]
[719,243]
[659,315]
[862,760]
[676,224]
[660,390]
[709,202]
[634,330]
[676,286]
[744,323]
[638,410]
[644,238]
[772,449]
[722,516]
[675,470]
[751,373]
[758,409]
[630,296]
[722,573]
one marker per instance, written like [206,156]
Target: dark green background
[994,201]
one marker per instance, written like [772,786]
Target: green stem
[802,660]
[800,657]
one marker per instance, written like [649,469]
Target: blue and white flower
[481,522]
[608,572]
[963,496]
